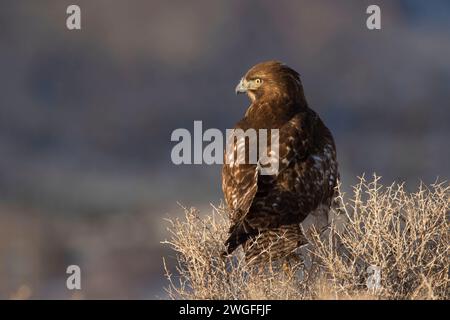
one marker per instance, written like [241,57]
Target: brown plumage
[266,210]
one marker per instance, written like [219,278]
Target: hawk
[266,211]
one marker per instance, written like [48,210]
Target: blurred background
[86,116]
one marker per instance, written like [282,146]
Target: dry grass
[404,235]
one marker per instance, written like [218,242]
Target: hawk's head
[271,79]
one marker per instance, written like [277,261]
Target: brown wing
[281,199]
[239,183]
[306,178]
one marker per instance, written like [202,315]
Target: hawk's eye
[258,81]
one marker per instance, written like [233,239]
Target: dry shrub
[203,273]
[404,235]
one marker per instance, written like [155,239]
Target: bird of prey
[266,211]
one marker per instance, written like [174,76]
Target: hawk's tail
[274,244]
[239,234]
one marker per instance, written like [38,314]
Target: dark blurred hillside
[86,116]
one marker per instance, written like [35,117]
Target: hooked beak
[241,87]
